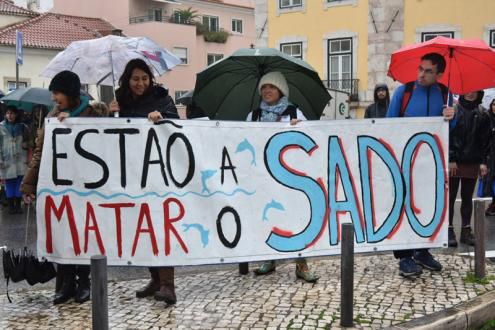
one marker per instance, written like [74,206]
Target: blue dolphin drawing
[204,233]
[272,205]
[205,175]
[245,145]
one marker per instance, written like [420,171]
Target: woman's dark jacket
[490,148]
[156,98]
[468,140]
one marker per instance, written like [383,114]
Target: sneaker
[407,267]
[490,211]
[266,268]
[425,259]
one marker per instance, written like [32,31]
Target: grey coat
[13,155]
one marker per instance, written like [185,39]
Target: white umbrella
[102,61]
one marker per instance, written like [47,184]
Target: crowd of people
[471,152]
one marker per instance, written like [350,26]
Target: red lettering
[118,221]
[90,214]
[64,204]
[168,224]
[144,212]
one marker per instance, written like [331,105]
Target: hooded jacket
[156,98]
[468,140]
[378,109]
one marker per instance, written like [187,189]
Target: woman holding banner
[275,106]
[65,87]
[467,144]
[139,96]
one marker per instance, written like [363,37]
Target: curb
[471,314]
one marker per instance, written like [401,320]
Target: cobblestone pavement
[225,299]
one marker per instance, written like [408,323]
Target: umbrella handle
[27,223]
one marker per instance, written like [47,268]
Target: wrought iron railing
[349,86]
[148,18]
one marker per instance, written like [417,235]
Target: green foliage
[470,278]
[211,36]
[490,325]
[185,16]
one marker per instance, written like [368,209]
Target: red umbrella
[470,63]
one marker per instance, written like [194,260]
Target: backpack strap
[410,86]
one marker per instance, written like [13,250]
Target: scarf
[273,112]
[83,105]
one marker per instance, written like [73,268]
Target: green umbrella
[26,98]
[228,89]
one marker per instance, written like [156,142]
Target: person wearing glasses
[425,97]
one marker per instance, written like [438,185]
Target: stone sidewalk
[225,299]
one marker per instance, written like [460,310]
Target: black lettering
[55,179]
[88,155]
[122,133]
[226,156]
[152,138]
[190,156]
[237,220]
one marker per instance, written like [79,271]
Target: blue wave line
[94,192]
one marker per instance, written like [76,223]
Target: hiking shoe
[467,236]
[265,268]
[425,259]
[303,272]
[407,267]
[452,238]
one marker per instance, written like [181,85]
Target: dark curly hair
[124,94]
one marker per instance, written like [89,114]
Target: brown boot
[167,288]
[467,236]
[152,286]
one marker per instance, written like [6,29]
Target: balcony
[349,86]
[149,18]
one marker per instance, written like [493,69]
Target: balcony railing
[167,19]
[349,86]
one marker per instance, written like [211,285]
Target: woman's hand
[294,121]
[28,198]
[155,116]
[452,168]
[62,115]
[483,170]
[114,106]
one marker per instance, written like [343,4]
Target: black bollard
[479,239]
[347,276]
[244,268]
[99,292]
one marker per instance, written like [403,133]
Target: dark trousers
[399,254]
[467,190]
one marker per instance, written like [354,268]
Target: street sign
[18,47]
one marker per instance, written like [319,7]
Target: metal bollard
[244,268]
[347,276]
[99,292]
[479,236]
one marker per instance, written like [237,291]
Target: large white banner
[204,192]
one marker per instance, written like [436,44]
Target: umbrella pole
[449,94]
[116,113]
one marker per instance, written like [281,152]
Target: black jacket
[469,138]
[379,108]
[156,98]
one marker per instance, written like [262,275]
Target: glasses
[425,71]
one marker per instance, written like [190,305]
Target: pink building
[167,23]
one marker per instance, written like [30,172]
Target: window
[181,53]
[178,94]
[340,63]
[425,36]
[293,49]
[236,25]
[492,38]
[212,58]
[211,22]
[11,85]
[290,3]
[155,14]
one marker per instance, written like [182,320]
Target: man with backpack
[425,97]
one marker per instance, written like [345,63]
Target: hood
[375,93]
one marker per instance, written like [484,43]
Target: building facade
[349,42]
[224,26]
